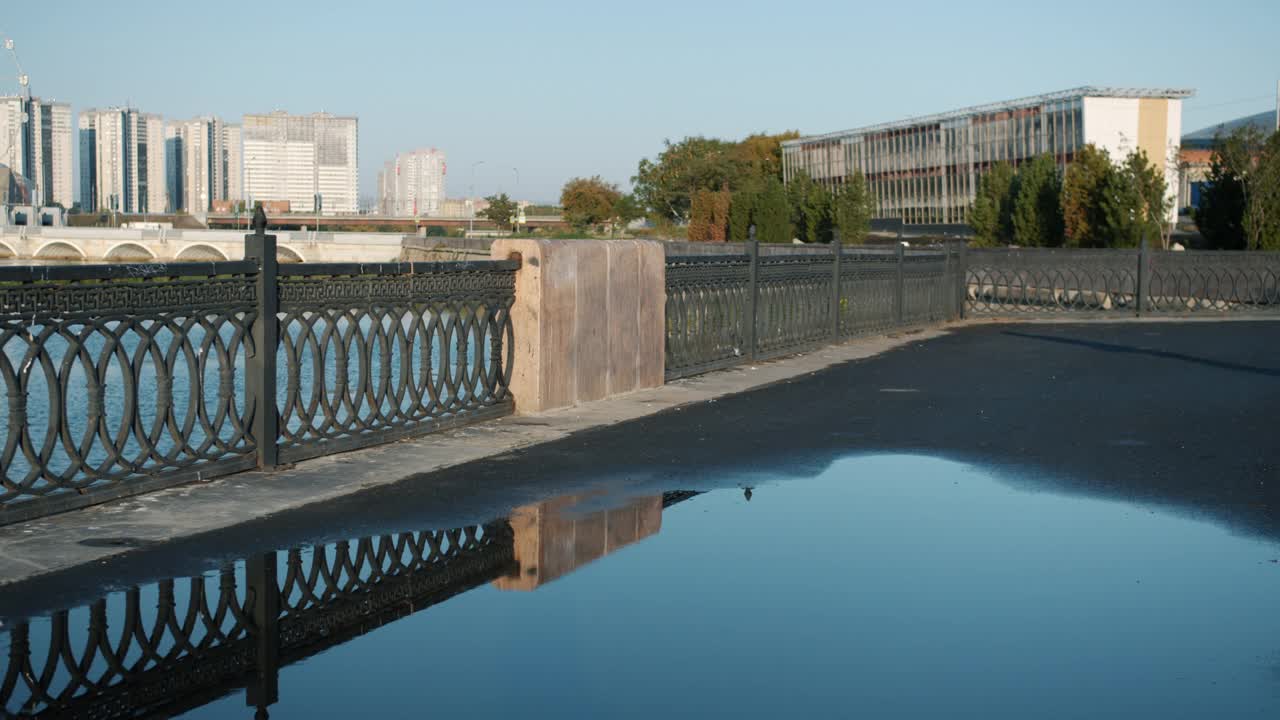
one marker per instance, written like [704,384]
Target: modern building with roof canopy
[926,170]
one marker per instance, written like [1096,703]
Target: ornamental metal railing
[724,309]
[1039,281]
[122,379]
[163,649]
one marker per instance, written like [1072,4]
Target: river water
[888,586]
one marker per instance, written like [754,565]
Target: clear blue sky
[565,88]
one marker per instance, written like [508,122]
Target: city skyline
[616,111]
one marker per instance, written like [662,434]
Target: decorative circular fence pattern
[121,379]
[370,358]
[1047,281]
[1016,282]
[1214,281]
[122,373]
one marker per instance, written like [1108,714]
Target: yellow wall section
[1153,129]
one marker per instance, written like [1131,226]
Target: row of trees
[719,188]
[804,210]
[1240,205]
[1094,203]
[667,186]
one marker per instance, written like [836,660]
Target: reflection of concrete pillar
[588,319]
[551,542]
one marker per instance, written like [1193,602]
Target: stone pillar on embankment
[588,319]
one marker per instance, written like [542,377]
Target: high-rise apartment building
[122,161]
[302,158]
[35,142]
[204,158]
[412,185]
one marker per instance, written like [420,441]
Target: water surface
[887,586]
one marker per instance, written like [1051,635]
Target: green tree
[810,208]
[626,209]
[1037,207]
[589,202]
[1241,205]
[501,210]
[1220,216]
[1134,205]
[1262,224]
[1083,190]
[853,208]
[666,185]
[992,214]
[772,215]
[742,208]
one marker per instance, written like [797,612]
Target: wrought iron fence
[1022,282]
[163,649]
[1235,282]
[726,309]
[121,379]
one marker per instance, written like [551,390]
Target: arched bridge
[132,245]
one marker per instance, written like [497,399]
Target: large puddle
[888,586]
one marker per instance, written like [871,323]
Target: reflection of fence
[1038,281]
[725,309]
[120,379]
[170,647]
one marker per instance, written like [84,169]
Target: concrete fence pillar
[589,319]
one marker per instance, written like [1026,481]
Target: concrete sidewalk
[61,542]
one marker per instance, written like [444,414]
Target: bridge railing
[121,379]
[726,309]
[1043,281]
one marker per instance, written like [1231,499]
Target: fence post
[263,591]
[962,271]
[753,291]
[260,367]
[899,294]
[837,247]
[1144,276]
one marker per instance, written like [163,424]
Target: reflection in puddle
[174,645]
[551,542]
[886,586]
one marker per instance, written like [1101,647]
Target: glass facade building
[926,170]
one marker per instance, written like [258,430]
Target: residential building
[302,159]
[204,157]
[412,184]
[35,142]
[926,170]
[122,161]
